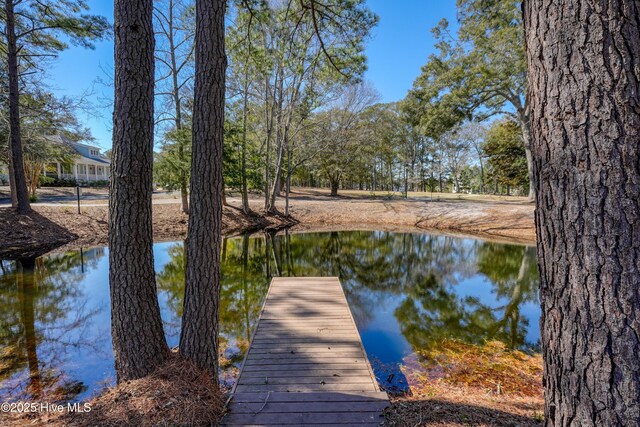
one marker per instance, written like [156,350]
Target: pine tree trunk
[526,138]
[138,337]
[17,175]
[199,337]
[584,77]
[12,184]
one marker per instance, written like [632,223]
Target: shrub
[58,182]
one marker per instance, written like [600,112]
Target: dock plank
[306,364]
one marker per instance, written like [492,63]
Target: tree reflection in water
[43,321]
[421,279]
[406,291]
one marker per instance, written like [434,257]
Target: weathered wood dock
[306,364]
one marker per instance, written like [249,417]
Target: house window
[66,169]
[82,169]
[99,170]
[92,170]
[95,152]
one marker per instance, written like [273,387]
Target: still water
[406,291]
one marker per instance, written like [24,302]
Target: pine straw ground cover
[176,394]
[458,384]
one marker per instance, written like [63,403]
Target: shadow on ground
[30,235]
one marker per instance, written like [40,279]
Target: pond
[407,293]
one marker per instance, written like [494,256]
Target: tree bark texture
[17,176]
[12,184]
[525,125]
[138,338]
[199,337]
[584,64]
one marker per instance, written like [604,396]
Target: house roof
[85,159]
[85,156]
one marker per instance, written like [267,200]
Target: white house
[89,164]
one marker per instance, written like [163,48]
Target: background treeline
[299,113]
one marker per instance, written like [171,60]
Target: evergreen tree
[34,30]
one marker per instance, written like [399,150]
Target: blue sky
[400,45]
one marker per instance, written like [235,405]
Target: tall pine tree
[35,30]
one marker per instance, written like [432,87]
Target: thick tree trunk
[15,140]
[138,337]
[12,184]
[583,61]
[525,125]
[199,337]
[335,185]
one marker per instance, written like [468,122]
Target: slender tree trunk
[269,133]
[15,140]
[288,187]
[199,337]
[184,185]
[375,167]
[583,61]
[275,189]
[138,338]
[184,193]
[479,152]
[245,97]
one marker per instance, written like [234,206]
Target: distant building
[89,165]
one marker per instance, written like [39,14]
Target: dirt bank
[49,227]
[53,225]
[505,218]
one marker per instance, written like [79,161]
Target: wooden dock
[306,364]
